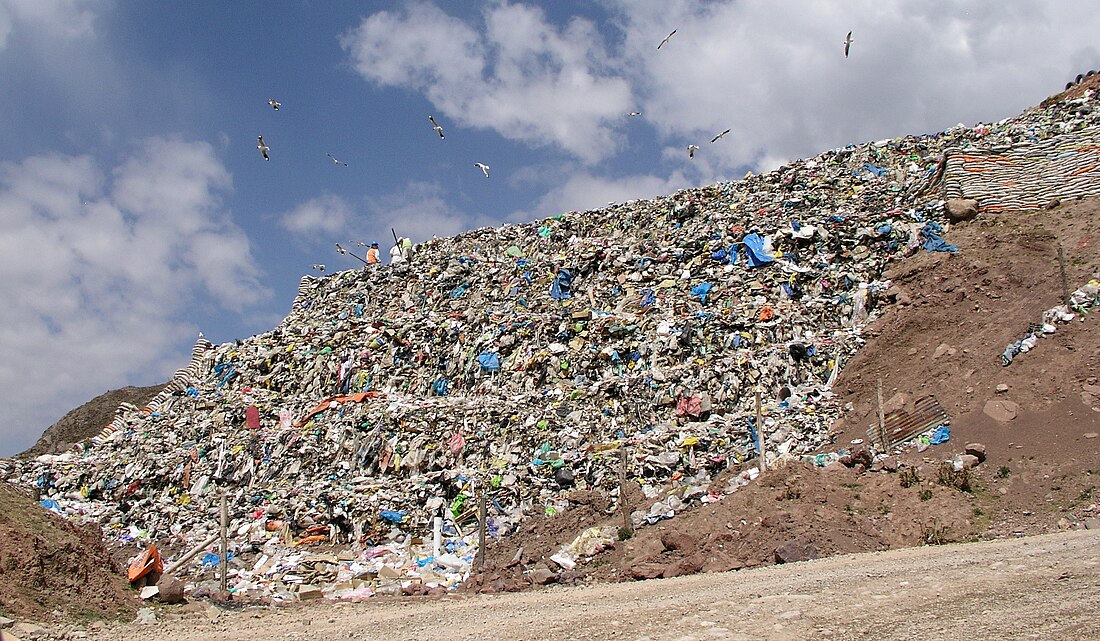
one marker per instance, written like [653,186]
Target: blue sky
[138,212]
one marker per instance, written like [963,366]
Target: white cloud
[524,78]
[326,213]
[99,268]
[68,19]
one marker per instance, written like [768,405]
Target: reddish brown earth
[48,566]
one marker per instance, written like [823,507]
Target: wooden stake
[882,420]
[171,569]
[760,435]
[1065,280]
[224,543]
[624,507]
[480,561]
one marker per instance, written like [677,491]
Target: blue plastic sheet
[489,361]
[560,288]
[701,290]
[932,240]
[754,251]
[394,516]
[941,435]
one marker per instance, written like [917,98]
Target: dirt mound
[48,564]
[947,342]
[87,420]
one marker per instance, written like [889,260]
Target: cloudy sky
[137,210]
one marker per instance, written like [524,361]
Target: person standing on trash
[396,255]
[372,254]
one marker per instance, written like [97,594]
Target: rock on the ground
[542,576]
[643,571]
[171,589]
[965,462]
[976,449]
[1001,410]
[6,623]
[29,630]
[793,551]
[960,209]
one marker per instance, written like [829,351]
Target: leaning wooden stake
[224,544]
[882,420]
[171,569]
[1065,280]
[760,435]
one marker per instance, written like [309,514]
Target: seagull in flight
[691,150]
[483,167]
[665,40]
[635,113]
[715,139]
[335,161]
[262,146]
[435,125]
[275,104]
[319,268]
[847,43]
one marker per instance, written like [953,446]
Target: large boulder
[961,209]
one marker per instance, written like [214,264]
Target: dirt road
[1045,587]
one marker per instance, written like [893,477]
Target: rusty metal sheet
[903,424]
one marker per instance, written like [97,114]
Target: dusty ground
[1029,588]
[49,565]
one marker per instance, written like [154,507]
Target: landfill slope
[49,565]
[86,421]
[614,384]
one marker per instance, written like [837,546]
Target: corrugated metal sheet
[903,425]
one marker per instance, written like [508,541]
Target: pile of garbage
[662,341]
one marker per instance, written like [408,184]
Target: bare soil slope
[47,564]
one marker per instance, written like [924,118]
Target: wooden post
[171,569]
[480,561]
[224,543]
[1065,280]
[624,507]
[882,420]
[760,435]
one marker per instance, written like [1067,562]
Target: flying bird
[319,268]
[665,40]
[635,113]
[262,146]
[691,150]
[435,125]
[847,43]
[483,167]
[274,103]
[338,162]
[715,139]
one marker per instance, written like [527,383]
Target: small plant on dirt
[1086,494]
[958,479]
[908,477]
[978,513]
[925,494]
[884,509]
[934,533]
[1003,472]
[791,493]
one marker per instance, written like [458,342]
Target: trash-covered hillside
[528,361]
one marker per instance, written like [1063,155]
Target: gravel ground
[1042,587]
